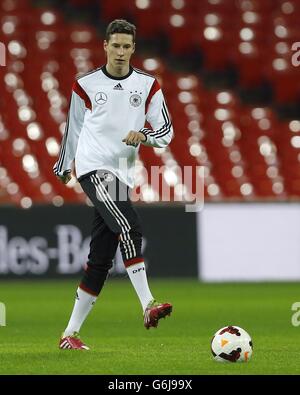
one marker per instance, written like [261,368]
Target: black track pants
[115,221]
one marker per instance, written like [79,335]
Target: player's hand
[66,177]
[134,138]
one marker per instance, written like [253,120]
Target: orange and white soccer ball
[231,344]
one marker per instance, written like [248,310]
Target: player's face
[119,49]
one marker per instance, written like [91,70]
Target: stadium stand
[248,150]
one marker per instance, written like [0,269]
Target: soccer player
[105,127]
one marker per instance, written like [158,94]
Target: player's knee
[100,265]
[131,244]
[133,234]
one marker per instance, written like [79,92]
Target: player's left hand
[66,177]
[134,138]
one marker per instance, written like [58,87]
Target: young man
[105,126]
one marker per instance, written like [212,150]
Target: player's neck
[117,71]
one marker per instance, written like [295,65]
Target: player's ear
[105,43]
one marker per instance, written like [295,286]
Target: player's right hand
[134,138]
[66,177]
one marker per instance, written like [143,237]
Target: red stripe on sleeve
[154,88]
[81,92]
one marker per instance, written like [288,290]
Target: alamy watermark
[2,314]
[296,316]
[2,54]
[163,184]
[296,55]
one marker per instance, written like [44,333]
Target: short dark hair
[120,26]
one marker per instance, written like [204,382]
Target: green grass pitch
[37,312]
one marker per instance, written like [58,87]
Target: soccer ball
[232,344]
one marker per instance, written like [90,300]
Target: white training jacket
[103,110]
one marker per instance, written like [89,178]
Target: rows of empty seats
[239,152]
[254,36]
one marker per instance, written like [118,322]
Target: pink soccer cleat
[155,311]
[72,342]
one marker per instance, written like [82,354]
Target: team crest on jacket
[135,100]
[101,98]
